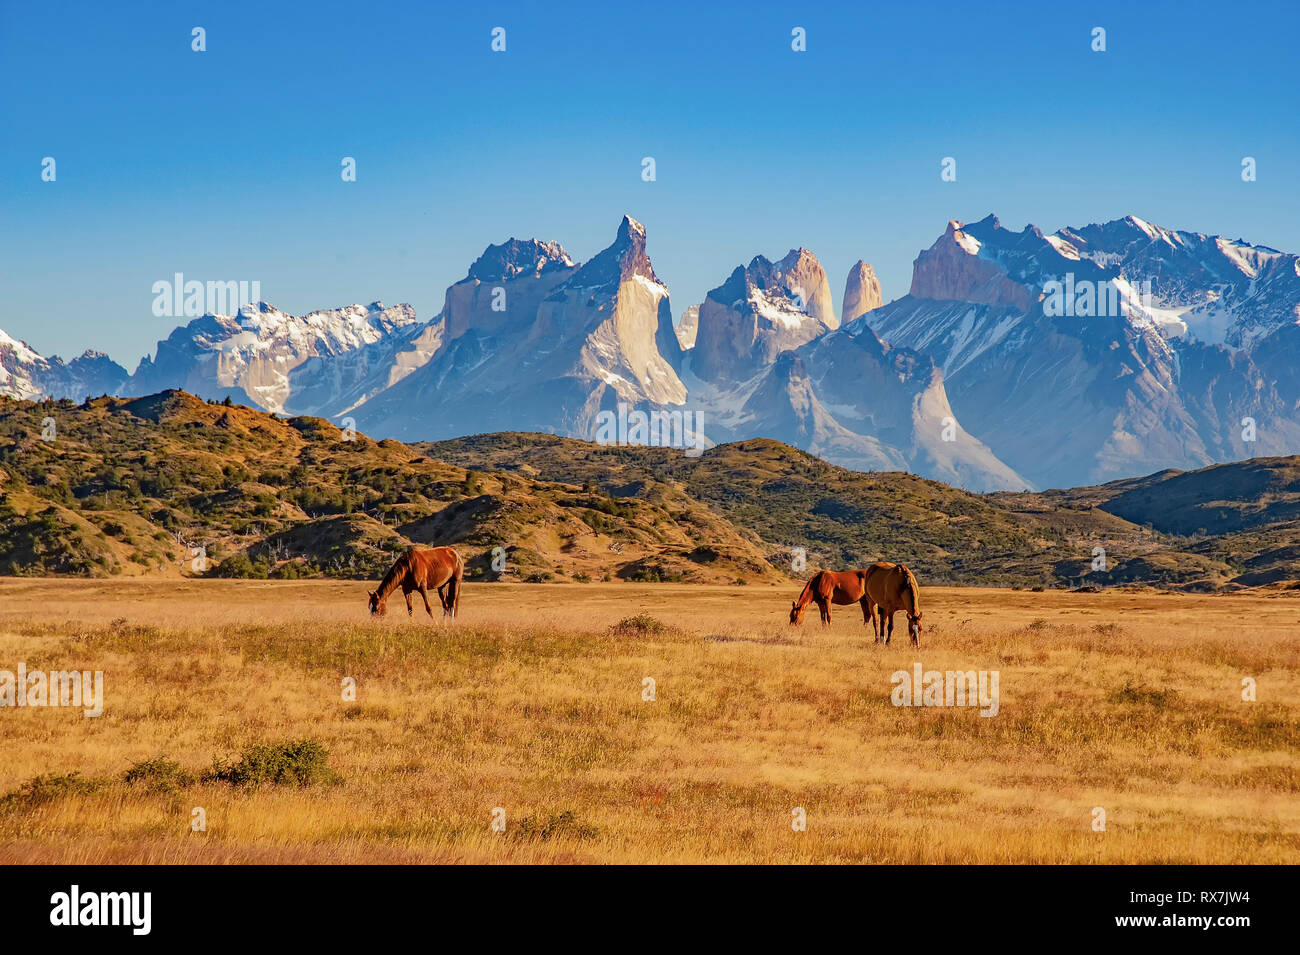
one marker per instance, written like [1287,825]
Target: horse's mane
[393,577]
[807,588]
[910,585]
[806,595]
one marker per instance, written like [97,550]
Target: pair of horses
[420,570]
[883,588]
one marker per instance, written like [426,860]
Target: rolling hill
[171,484]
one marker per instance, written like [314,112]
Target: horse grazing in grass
[891,588]
[422,569]
[830,587]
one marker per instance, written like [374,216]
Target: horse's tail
[457,578]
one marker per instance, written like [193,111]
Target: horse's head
[914,627]
[796,612]
[377,607]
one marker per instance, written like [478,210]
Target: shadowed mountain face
[531,340]
[1016,360]
[764,363]
[1098,353]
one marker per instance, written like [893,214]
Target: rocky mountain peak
[625,258]
[516,257]
[954,269]
[688,327]
[861,293]
[762,309]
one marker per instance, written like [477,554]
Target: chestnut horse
[891,588]
[422,569]
[829,587]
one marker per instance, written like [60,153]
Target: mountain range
[1016,360]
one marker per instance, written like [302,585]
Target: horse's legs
[453,596]
[424,595]
[824,608]
[867,615]
[891,628]
[410,610]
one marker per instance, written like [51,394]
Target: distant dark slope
[1241,519]
[1213,500]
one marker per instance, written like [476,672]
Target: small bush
[44,789]
[240,566]
[160,774]
[641,625]
[293,763]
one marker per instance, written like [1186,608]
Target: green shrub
[159,774]
[292,763]
[640,625]
[44,789]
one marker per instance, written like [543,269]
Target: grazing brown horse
[891,588]
[829,587]
[422,569]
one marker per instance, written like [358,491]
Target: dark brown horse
[829,587]
[422,569]
[891,588]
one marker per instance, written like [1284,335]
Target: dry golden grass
[533,702]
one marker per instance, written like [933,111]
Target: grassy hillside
[1146,534]
[1228,525]
[793,499]
[170,484]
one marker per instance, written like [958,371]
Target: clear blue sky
[225,164]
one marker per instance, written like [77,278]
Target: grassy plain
[533,702]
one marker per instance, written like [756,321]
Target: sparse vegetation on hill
[171,484]
[1046,539]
